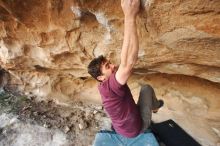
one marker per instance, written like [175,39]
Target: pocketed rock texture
[45,46]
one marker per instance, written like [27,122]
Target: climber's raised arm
[130,47]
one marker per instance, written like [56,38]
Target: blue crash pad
[111,138]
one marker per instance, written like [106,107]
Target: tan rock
[47,45]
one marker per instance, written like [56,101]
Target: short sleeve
[116,87]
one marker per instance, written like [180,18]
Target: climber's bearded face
[107,68]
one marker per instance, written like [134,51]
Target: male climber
[128,119]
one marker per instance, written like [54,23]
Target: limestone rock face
[60,37]
[47,45]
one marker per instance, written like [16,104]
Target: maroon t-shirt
[120,106]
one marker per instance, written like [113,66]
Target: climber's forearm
[130,47]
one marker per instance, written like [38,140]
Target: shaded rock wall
[50,40]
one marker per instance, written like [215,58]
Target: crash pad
[111,138]
[171,134]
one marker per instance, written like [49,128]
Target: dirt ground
[79,122]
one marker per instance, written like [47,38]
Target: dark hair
[95,66]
